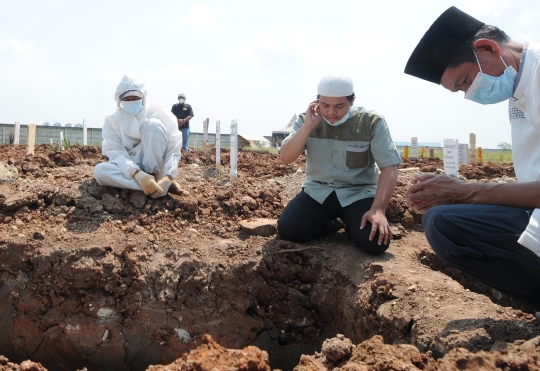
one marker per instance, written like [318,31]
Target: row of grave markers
[31,137]
[31,141]
[233,146]
[455,154]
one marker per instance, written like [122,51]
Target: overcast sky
[254,61]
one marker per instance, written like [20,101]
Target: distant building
[69,125]
[281,133]
[57,124]
[47,124]
[253,140]
[78,125]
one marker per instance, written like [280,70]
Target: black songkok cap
[436,49]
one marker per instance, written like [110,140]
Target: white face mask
[342,120]
[181,100]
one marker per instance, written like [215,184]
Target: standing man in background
[183,113]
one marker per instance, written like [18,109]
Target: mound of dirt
[105,278]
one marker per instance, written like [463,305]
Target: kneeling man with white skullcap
[142,141]
[345,148]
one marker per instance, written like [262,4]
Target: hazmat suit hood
[127,83]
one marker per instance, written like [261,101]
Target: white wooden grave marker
[218,145]
[205,131]
[450,150]
[84,133]
[234,150]
[414,147]
[463,154]
[61,141]
[17,134]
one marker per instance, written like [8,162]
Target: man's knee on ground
[103,171]
[371,247]
[288,231]
[100,172]
[436,227]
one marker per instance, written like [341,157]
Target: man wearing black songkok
[488,231]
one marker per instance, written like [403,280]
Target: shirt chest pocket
[357,156]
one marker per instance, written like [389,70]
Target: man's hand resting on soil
[378,223]
[432,190]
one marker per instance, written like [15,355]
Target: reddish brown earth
[104,278]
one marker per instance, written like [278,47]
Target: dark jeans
[481,241]
[304,219]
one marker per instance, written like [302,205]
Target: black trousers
[481,241]
[304,219]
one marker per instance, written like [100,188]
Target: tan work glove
[164,183]
[148,183]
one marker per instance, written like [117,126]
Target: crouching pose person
[142,141]
[345,147]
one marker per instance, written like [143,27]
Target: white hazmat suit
[149,141]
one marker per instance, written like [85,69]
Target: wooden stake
[472,148]
[84,133]
[406,152]
[17,134]
[480,154]
[218,146]
[431,153]
[234,151]
[30,139]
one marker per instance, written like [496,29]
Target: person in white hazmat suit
[489,231]
[142,141]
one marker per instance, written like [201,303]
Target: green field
[491,155]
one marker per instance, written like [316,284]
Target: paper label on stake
[451,163]
[414,147]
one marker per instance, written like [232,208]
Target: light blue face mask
[132,107]
[486,89]
[342,120]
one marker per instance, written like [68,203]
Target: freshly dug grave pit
[110,279]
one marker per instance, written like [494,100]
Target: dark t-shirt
[181,111]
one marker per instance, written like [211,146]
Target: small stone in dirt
[282,244]
[260,227]
[19,200]
[249,202]
[412,288]
[337,349]
[193,230]
[137,199]
[205,211]
[38,236]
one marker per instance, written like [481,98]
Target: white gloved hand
[148,183]
[164,183]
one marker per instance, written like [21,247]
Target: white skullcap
[181,95]
[335,85]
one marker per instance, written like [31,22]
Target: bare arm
[442,190]
[377,218]
[292,148]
